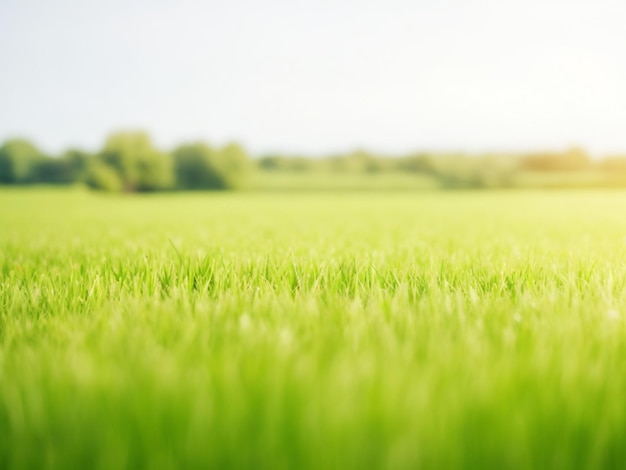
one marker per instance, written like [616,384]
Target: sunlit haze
[317,76]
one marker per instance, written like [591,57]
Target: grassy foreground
[416,330]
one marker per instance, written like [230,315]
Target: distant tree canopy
[288,163]
[194,165]
[573,159]
[130,162]
[199,166]
[140,166]
[234,164]
[69,168]
[417,163]
[18,159]
[572,167]
[102,177]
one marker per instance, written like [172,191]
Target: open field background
[341,330]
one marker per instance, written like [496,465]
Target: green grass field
[348,330]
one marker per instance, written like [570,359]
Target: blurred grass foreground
[347,330]
[130,162]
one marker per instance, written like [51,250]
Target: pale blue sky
[317,75]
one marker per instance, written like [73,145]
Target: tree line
[130,162]
[570,167]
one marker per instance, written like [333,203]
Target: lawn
[296,330]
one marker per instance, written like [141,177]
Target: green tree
[139,165]
[416,163]
[79,162]
[195,167]
[18,158]
[272,163]
[102,177]
[199,166]
[71,167]
[234,164]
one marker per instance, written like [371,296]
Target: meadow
[385,330]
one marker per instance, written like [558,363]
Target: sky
[317,76]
